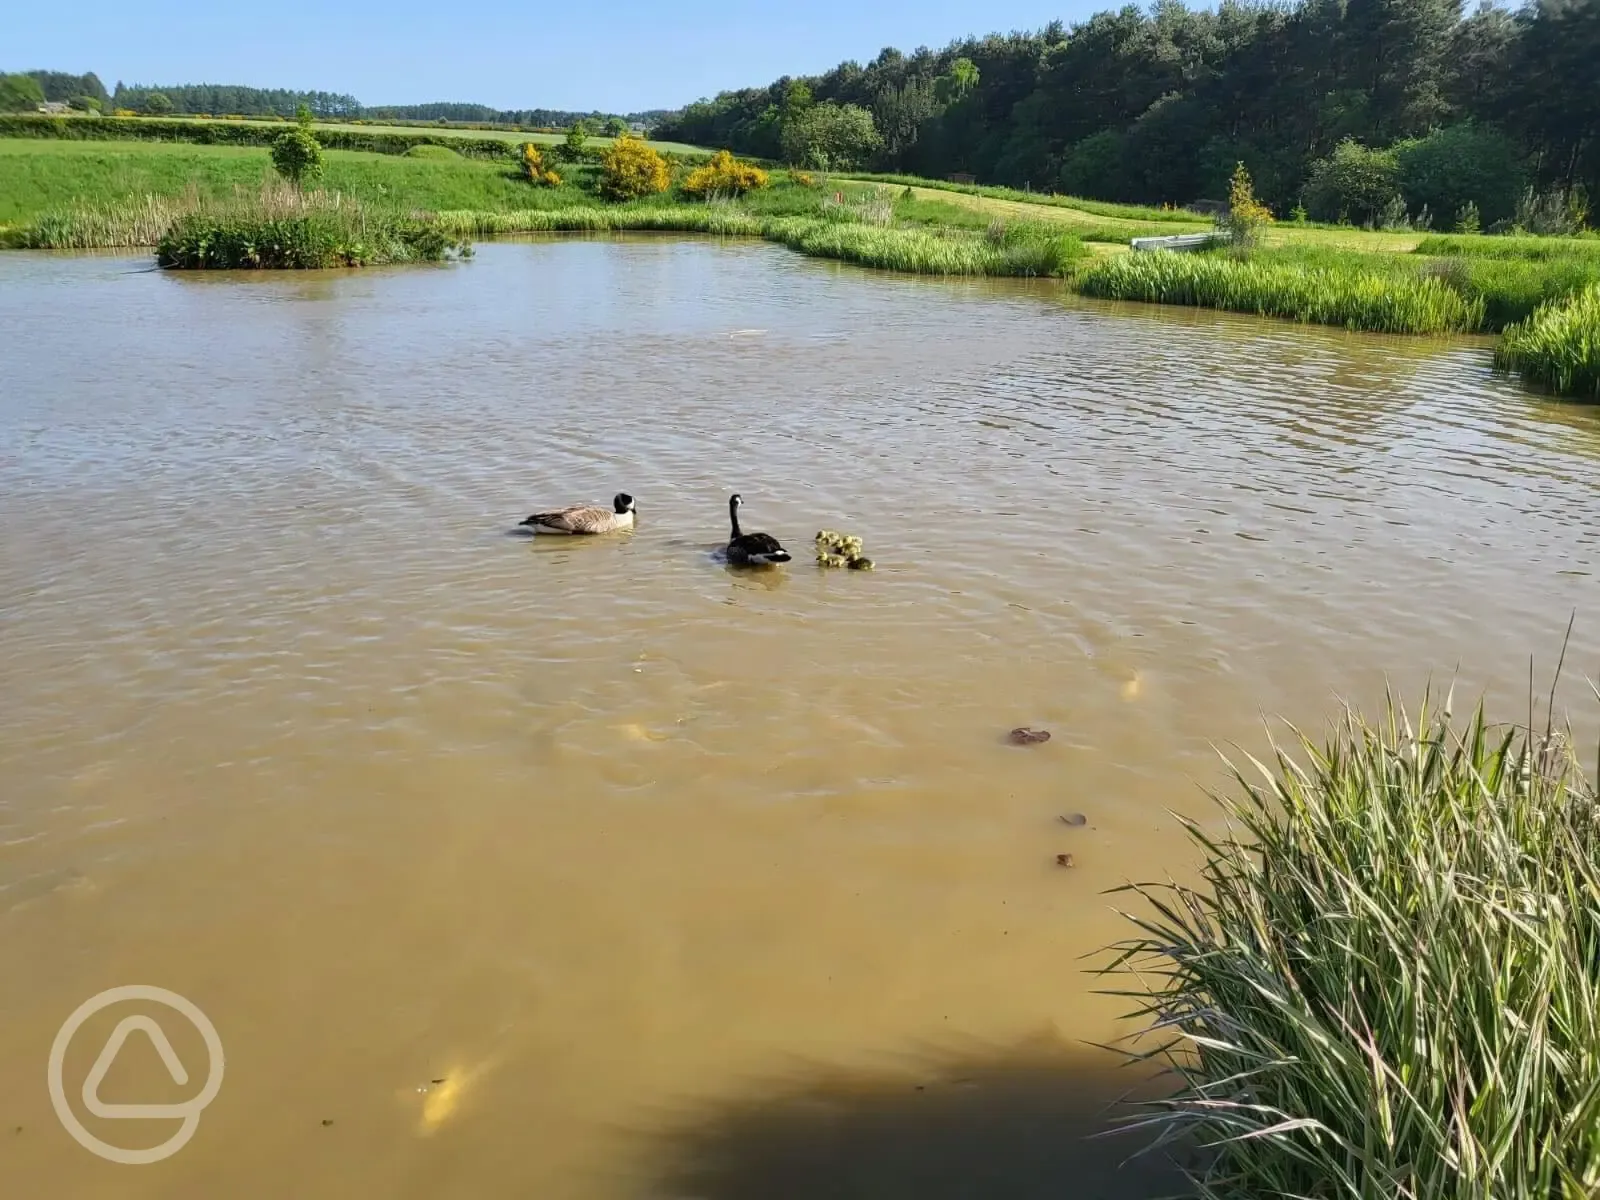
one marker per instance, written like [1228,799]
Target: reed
[1388,981]
[1327,294]
[279,226]
[1558,348]
[1537,249]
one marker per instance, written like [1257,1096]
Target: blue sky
[622,56]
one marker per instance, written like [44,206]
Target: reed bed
[1537,249]
[1558,348]
[1388,982]
[1376,301]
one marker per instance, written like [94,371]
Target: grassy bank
[1558,348]
[1388,982]
[1383,293]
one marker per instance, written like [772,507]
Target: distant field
[441,131]
[37,175]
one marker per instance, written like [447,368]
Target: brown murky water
[592,871]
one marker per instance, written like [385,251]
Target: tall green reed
[1388,983]
[1558,348]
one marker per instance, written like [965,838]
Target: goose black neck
[733,514]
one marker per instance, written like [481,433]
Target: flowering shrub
[630,170]
[534,170]
[1246,215]
[724,175]
[803,179]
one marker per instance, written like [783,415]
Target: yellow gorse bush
[630,170]
[724,175]
[534,170]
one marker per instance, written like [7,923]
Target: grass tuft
[1558,348]
[1388,982]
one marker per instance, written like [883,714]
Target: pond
[597,869]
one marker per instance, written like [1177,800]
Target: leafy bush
[1247,216]
[1353,184]
[157,104]
[830,136]
[724,175]
[297,155]
[630,170]
[1558,348]
[1461,165]
[1388,980]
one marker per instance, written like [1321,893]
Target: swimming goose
[585,518]
[751,549]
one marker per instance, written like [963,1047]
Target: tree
[297,155]
[616,127]
[20,93]
[577,135]
[631,170]
[157,104]
[1451,168]
[1354,183]
[831,137]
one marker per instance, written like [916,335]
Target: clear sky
[622,56]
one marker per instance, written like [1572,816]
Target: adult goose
[751,549]
[585,518]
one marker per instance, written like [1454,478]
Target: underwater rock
[1023,736]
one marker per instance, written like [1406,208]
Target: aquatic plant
[1558,348]
[1387,982]
[1381,302]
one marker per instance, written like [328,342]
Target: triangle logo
[102,1066]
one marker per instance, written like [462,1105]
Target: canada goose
[585,518]
[751,549]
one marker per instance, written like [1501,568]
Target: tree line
[1338,104]
[212,99]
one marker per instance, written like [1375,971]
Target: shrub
[157,104]
[1468,219]
[534,169]
[803,179]
[297,155]
[1558,348]
[630,170]
[1247,216]
[1557,212]
[724,175]
[1388,980]
[830,136]
[1352,184]
[1461,165]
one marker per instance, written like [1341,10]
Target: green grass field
[434,130]
[37,175]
